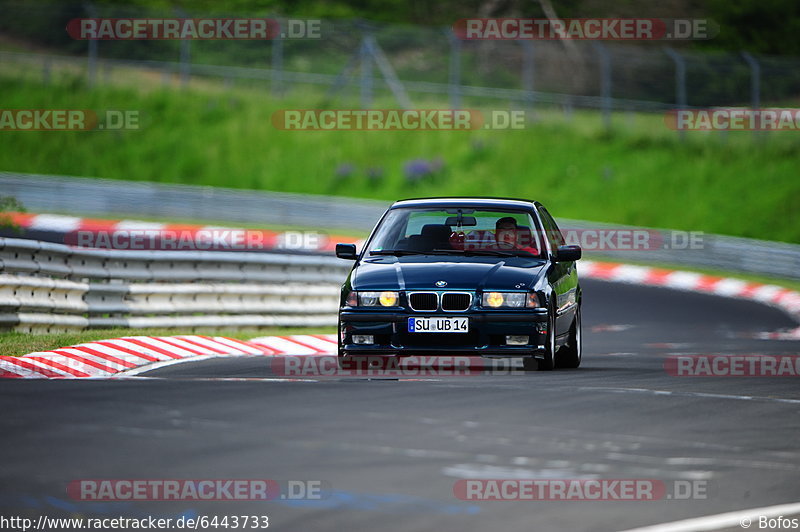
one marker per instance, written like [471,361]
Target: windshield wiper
[401,252]
[496,252]
[468,252]
[484,252]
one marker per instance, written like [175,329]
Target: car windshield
[457,231]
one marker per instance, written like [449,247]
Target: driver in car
[508,235]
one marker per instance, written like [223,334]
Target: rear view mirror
[466,221]
[346,251]
[568,253]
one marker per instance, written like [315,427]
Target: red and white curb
[133,354]
[777,296]
[100,233]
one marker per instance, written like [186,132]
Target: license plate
[438,325]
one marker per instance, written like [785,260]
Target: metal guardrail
[53,287]
[103,197]
[727,253]
[106,197]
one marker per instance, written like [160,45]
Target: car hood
[461,273]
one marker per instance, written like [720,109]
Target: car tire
[570,354]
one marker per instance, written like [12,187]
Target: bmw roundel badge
[441,284]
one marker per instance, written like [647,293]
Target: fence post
[755,79]
[277,61]
[454,73]
[46,69]
[185,53]
[185,61]
[528,72]
[91,74]
[366,72]
[680,82]
[755,82]
[605,82]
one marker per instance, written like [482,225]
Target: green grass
[18,344]
[638,173]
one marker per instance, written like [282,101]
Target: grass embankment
[638,173]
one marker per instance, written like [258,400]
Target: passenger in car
[508,235]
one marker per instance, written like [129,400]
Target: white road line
[319,343]
[138,225]
[213,344]
[188,346]
[690,394]
[628,273]
[683,280]
[154,341]
[110,351]
[42,364]
[11,367]
[123,342]
[227,342]
[55,222]
[726,520]
[74,365]
[284,344]
[729,287]
[94,358]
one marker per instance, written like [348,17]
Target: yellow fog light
[388,299]
[493,299]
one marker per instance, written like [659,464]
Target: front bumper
[486,336]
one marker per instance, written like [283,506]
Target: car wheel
[530,364]
[570,354]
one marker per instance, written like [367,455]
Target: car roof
[481,201]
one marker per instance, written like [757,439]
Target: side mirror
[568,253]
[346,251]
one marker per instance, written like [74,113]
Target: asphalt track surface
[390,451]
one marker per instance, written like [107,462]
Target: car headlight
[510,300]
[373,299]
